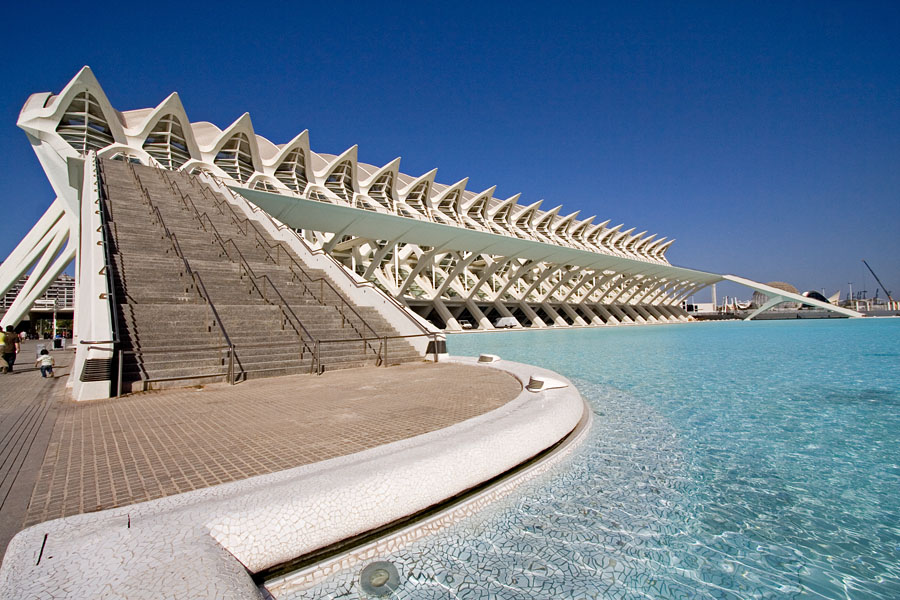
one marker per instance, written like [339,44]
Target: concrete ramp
[777,296]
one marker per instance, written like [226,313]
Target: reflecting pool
[727,460]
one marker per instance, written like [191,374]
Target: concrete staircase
[193,277]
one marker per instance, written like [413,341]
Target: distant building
[61,293]
[760,298]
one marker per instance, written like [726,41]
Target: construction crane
[878,280]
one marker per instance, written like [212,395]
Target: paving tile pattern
[28,409]
[116,452]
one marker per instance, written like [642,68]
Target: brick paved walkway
[28,409]
[110,453]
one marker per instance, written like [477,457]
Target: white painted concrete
[203,544]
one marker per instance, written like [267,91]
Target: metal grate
[97,369]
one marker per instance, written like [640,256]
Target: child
[45,361]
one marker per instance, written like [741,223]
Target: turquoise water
[727,460]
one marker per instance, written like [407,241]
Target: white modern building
[455,256]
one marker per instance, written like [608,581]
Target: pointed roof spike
[608,233]
[429,176]
[84,81]
[480,202]
[548,216]
[527,215]
[301,140]
[581,226]
[393,165]
[504,210]
[170,106]
[564,223]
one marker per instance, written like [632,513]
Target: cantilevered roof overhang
[302,213]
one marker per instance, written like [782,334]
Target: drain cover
[379,578]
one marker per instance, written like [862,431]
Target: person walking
[45,362]
[11,347]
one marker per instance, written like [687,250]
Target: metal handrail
[107,237]
[265,245]
[287,312]
[286,309]
[110,283]
[255,209]
[195,277]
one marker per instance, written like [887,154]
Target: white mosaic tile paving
[202,544]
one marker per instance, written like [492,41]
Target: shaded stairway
[204,293]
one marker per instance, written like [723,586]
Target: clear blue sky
[765,137]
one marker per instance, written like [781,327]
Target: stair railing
[204,189]
[307,343]
[343,307]
[110,284]
[195,277]
[262,242]
[285,306]
[288,315]
[255,209]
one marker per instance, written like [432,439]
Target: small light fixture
[539,384]
[488,358]
[379,578]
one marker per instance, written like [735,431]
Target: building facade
[458,257]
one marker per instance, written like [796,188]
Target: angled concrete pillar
[593,317]
[483,321]
[579,320]
[450,321]
[557,319]
[536,321]
[635,316]
[620,314]
[608,317]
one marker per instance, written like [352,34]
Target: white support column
[423,261]
[579,320]
[587,276]
[378,257]
[655,313]
[557,319]
[573,271]
[619,313]
[488,273]
[611,319]
[536,321]
[93,313]
[549,270]
[458,268]
[599,283]
[483,321]
[592,317]
[451,323]
[41,245]
[501,308]
[643,312]
[635,317]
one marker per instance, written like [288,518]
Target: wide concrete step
[163,309]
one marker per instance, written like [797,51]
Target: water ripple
[764,466]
